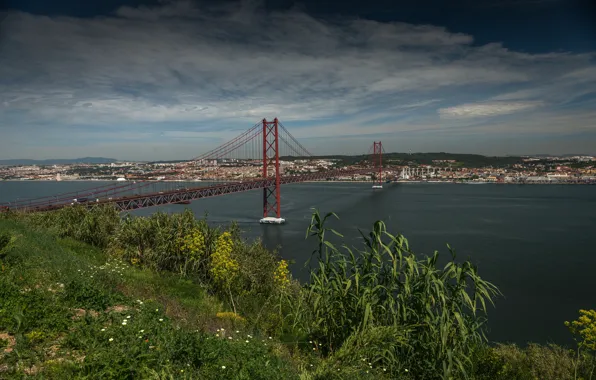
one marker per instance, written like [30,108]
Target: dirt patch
[11,342]
[117,309]
[31,370]
[79,313]
[52,351]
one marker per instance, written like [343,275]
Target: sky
[166,80]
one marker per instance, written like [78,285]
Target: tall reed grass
[405,312]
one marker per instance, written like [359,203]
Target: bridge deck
[186,195]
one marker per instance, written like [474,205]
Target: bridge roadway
[186,195]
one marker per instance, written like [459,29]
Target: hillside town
[575,169]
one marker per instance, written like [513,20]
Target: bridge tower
[378,163]
[271,193]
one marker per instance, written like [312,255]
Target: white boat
[377,186]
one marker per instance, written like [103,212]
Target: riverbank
[318,181]
[102,321]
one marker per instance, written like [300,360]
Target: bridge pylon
[377,159]
[271,192]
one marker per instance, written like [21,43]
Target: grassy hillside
[86,294]
[70,311]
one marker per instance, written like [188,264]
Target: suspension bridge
[267,146]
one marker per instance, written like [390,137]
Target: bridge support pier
[271,191]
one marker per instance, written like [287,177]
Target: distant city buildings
[576,169]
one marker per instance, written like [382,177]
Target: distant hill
[59,161]
[468,160]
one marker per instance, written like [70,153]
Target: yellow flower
[230,316]
[281,275]
[223,267]
[192,244]
[585,328]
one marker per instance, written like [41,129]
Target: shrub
[94,225]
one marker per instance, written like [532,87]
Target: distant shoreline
[321,181]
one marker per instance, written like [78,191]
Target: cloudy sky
[171,79]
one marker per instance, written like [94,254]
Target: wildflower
[216,334]
[156,310]
[406,370]
[103,329]
[111,339]
[237,332]
[128,317]
[230,316]
[249,336]
[223,367]
[270,338]
[223,266]
[230,338]
[140,337]
[123,323]
[142,331]
[281,274]
[247,341]
[585,328]
[161,319]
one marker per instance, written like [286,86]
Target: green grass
[62,302]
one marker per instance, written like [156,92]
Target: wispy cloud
[486,109]
[179,69]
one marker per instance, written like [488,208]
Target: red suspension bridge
[267,145]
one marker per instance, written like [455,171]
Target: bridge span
[264,142]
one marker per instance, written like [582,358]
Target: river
[535,242]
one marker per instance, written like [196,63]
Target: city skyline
[167,80]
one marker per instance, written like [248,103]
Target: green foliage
[510,362]
[7,241]
[435,312]
[584,328]
[94,226]
[59,310]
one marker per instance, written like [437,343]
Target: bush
[94,225]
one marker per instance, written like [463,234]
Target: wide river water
[537,243]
